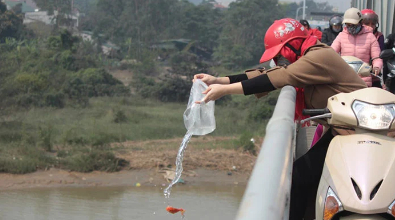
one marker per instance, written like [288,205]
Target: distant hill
[196,2]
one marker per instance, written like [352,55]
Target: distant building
[86,35]
[39,16]
[316,23]
[108,48]
[42,16]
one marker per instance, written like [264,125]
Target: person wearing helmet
[335,27]
[358,40]
[311,31]
[371,19]
[317,72]
[289,44]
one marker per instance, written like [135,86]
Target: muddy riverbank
[150,163]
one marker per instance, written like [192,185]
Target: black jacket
[328,36]
[389,42]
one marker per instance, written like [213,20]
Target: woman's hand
[214,92]
[206,78]
[376,71]
[391,134]
[368,81]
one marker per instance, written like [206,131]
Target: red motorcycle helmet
[368,15]
[279,33]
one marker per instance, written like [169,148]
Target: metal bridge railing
[268,191]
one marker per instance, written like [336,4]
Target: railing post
[268,191]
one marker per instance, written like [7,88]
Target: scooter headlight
[375,117]
[391,209]
[332,205]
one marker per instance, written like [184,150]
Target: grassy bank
[78,138]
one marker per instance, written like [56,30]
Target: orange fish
[173,210]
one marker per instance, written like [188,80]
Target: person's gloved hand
[367,80]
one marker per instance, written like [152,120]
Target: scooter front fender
[368,161]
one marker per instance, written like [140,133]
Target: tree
[11,24]
[290,10]
[17,8]
[245,25]
[63,8]
[311,5]
[141,21]
[318,7]
[187,64]
[3,7]
[84,6]
[202,23]
[136,24]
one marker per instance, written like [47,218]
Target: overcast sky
[343,5]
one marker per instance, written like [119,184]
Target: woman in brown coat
[317,72]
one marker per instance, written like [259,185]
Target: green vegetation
[246,143]
[61,105]
[79,138]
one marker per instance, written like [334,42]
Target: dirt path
[162,154]
[125,76]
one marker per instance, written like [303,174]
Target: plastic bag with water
[199,118]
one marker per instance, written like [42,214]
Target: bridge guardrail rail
[267,195]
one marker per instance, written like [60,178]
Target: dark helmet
[370,15]
[335,20]
[305,23]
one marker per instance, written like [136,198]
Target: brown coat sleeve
[251,73]
[314,68]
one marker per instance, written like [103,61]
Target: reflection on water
[145,203]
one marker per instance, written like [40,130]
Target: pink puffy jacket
[363,46]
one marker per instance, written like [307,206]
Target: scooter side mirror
[387,54]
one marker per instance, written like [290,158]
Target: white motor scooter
[358,177]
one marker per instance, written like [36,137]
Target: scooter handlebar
[315,112]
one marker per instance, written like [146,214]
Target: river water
[145,203]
